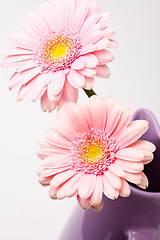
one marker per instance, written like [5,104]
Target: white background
[26,211]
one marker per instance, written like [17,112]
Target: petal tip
[19,99]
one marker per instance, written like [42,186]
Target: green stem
[89,93]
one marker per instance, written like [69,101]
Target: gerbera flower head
[60,48]
[93,149]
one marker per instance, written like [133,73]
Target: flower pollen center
[58,49]
[92,152]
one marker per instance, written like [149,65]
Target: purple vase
[134,218]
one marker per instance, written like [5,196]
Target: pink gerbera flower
[93,149]
[60,48]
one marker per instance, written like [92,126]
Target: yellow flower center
[93,151]
[58,51]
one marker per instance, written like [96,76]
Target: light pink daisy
[93,149]
[60,48]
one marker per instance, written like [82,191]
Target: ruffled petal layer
[64,159]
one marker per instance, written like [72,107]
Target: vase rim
[144,193]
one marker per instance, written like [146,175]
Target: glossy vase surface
[134,218]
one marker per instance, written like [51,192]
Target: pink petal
[53,192]
[17,59]
[47,143]
[86,185]
[90,60]
[17,51]
[56,139]
[65,129]
[24,41]
[91,37]
[88,49]
[76,79]
[70,9]
[50,82]
[61,192]
[44,152]
[88,24]
[58,8]
[123,121]
[98,207]
[84,203]
[44,171]
[112,44]
[148,157]
[133,177]
[63,18]
[62,177]
[101,44]
[14,81]
[48,172]
[97,112]
[143,145]
[38,23]
[112,119]
[108,32]
[144,184]
[103,56]
[102,71]
[117,170]
[56,84]
[133,167]
[70,94]
[13,65]
[56,161]
[108,189]
[45,181]
[28,29]
[104,19]
[78,64]
[114,180]
[93,8]
[54,98]
[130,154]
[133,132]
[86,115]
[89,83]
[46,11]
[64,115]
[88,72]
[125,190]
[91,30]
[135,155]
[72,185]
[44,142]
[60,104]
[109,103]
[26,66]
[23,77]
[96,197]
[79,16]
[78,119]
[47,104]
[33,89]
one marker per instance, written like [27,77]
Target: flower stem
[89,93]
